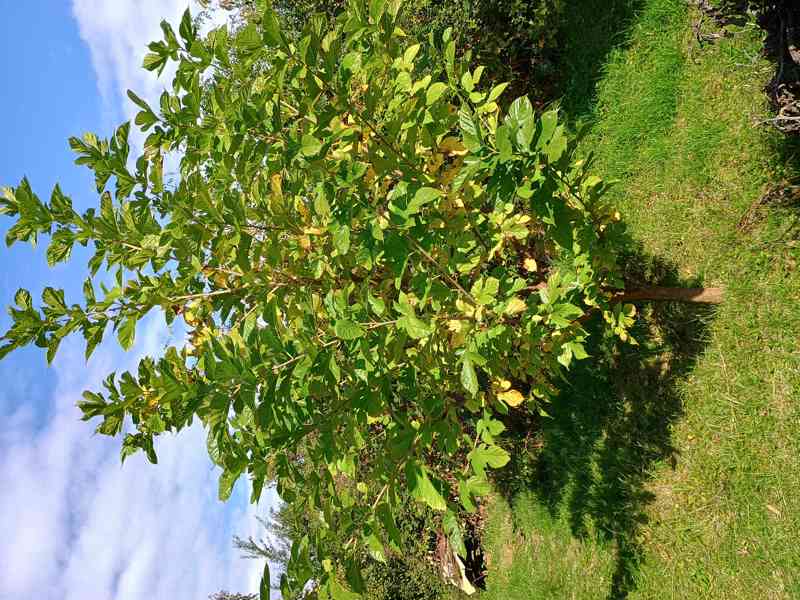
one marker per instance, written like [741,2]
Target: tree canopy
[374,262]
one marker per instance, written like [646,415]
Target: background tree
[223,595]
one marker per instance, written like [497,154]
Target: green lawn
[676,472]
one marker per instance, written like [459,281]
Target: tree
[223,595]
[373,263]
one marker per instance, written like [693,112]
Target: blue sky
[75,523]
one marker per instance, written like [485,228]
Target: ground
[674,473]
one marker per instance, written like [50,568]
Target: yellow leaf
[457,339]
[502,384]
[455,325]
[515,305]
[465,308]
[313,231]
[220,280]
[275,184]
[530,265]
[511,397]
[301,208]
[305,242]
[448,175]
[435,163]
[452,145]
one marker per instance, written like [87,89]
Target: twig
[447,276]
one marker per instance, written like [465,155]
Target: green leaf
[557,146]
[310,145]
[127,332]
[485,455]
[521,110]
[414,327]
[469,129]
[153,61]
[321,205]
[376,9]
[354,577]
[23,299]
[564,314]
[338,592]
[375,546]
[469,379]
[345,329]
[453,530]
[139,102]
[52,348]
[249,40]
[485,290]
[377,305]
[226,482]
[386,517]
[60,247]
[265,588]
[54,300]
[341,239]
[466,82]
[548,123]
[435,92]
[272,28]
[421,198]
[578,350]
[503,140]
[422,488]
[411,53]
[186,28]
[496,91]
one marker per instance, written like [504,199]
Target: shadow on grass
[590,30]
[592,460]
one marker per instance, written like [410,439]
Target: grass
[675,472]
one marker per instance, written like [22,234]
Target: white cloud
[77,525]
[117,33]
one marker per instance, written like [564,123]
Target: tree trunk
[674,294]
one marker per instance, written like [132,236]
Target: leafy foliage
[513,38]
[374,264]
[409,575]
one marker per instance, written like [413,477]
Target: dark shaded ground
[591,29]
[612,424]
